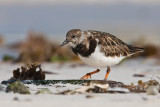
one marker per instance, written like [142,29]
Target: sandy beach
[123,73]
[31,32]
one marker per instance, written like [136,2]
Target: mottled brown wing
[112,46]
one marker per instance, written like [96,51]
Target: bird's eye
[73,36]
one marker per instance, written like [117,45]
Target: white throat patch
[72,45]
[82,37]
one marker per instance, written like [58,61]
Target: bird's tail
[134,50]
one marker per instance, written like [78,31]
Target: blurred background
[31,30]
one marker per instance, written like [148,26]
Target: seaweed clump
[44,91]
[150,87]
[142,86]
[8,58]
[31,72]
[38,48]
[150,50]
[1,40]
[17,87]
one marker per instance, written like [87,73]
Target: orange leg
[88,75]
[107,73]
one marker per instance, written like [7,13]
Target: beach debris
[137,88]
[1,88]
[18,87]
[68,92]
[145,98]
[153,90]
[16,99]
[31,72]
[150,87]
[142,86]
[150,50]
[38,48]
[118,90]
[153,87]
[78,64]
[59,86]
[92,88]
[112,84]
[138,75]
[153,82]
[90,96]
[97,88]
[8,58]
[44,91]
[49,72]
[1,39]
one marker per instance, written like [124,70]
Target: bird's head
[72,37]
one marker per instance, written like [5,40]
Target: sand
[123,73]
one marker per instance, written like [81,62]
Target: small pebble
[90,96]
[152,90]
[15,99]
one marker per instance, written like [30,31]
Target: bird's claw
[88,75]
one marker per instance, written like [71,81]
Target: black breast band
[83,51]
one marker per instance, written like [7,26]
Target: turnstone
[98,49]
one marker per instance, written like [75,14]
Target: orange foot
[107,73]
[88,75]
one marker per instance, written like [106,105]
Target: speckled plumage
[99,49]
[109,44]
[112,46]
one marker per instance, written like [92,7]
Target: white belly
[99,60]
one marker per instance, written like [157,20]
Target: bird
[98,49]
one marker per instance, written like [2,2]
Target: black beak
[64,43]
